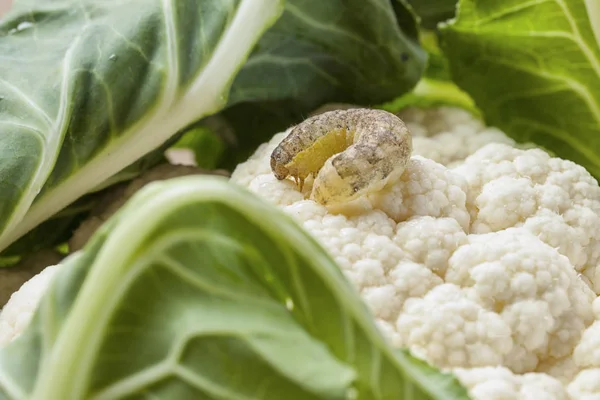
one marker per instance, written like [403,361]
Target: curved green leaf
[196,289]
[533,69]
[88,87]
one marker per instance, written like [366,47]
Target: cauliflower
[481,258]
[499,383]
[586,385]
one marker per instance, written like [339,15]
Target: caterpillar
[349,153]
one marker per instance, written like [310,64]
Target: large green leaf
[87,87]
[533,68]
[351,51]
[196,289]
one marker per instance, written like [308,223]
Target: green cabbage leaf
[533,69]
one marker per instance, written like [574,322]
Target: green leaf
[362,52]
[533,68]
[88,87]
[197,289]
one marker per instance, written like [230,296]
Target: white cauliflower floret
[364,247]
[499,383]
[448,135]
[587,352]
[451,330]
[557,200]
[430,241]
[563,369]
[405,281]
[503,202]
[426,188]
[533,287]
[17,313]
[280,190]
[585,386]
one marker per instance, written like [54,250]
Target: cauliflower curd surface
[483,258]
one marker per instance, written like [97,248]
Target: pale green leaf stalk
[197,289]
[88,87]
[533,69]
[433,93]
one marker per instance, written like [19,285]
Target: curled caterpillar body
[349,152]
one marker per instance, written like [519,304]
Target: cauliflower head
[481,257]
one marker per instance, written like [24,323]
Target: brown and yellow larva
[350,153]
